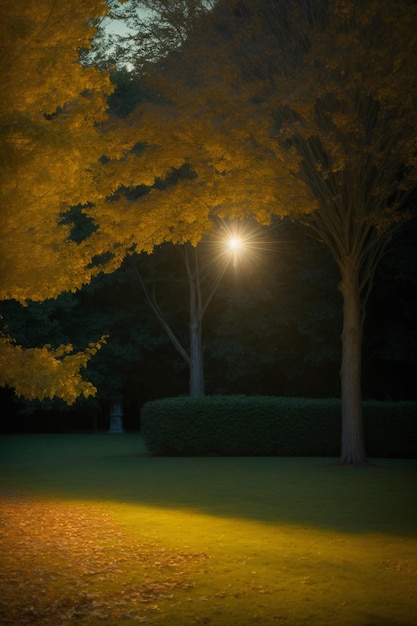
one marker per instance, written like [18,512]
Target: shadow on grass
[301,491]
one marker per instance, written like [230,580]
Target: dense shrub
[270,426]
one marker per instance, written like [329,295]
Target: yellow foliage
[50,145]
[44,372]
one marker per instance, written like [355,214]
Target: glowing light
[235,243]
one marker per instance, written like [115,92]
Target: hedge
[272,426]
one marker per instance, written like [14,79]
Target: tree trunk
[352,442]
[196,360]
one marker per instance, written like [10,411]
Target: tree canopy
[52,143]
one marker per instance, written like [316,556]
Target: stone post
[116,419]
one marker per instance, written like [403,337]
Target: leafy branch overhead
[45,372]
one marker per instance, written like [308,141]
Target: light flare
[235,243]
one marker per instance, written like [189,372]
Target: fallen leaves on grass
[60,563]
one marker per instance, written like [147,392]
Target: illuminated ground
[95,531]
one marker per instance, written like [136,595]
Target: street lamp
[236,242]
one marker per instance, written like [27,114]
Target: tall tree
[52,113]
[204,265]
[302,108]
[192,350]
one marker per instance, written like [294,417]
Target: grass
[222,541]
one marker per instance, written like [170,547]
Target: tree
[305,109]
[204,266]
[60,159]
[52,144]
[193,353]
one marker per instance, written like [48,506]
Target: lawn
[96,531]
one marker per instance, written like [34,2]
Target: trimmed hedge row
[272,426]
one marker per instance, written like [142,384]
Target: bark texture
[352,439]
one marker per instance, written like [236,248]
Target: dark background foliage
[272,329]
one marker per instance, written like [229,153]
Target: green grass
[290,541]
